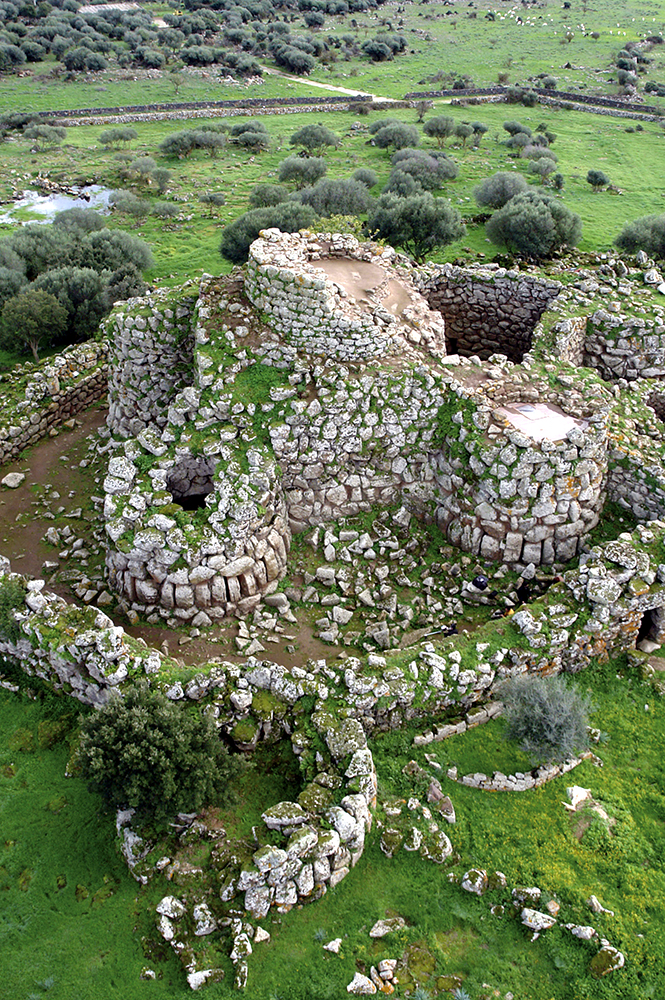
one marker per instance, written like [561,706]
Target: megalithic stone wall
[151,358]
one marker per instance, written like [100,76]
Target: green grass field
[458,40]
[73,920]
[633,160]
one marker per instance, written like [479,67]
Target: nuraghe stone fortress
[326,379]
[319,384]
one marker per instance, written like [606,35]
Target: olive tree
[33,318]
[302,171]
[396,136]
[597,179]
[440,128]
[419,223]
[498,189]
[534,224]
[314,138]
[542,167]
[646,233]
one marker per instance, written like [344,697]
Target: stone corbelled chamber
[489,311]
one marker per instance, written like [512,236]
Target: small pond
[44,207]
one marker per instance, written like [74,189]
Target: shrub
[344,197]
[287,216]
[365,176]
[430,170]
[12,598]
[597,179]
[398,136]
[534,224]
[498,189]
[646,233]
[178,144]
[252,138]
[314,138]
[129,204]
[402,184]
[538,152]
[513,127]
[267,194]
[150,754]
[82,219]
[382,123]
[165,210]
[546,716]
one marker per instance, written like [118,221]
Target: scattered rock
[361,986]
[13,480]
[387,926]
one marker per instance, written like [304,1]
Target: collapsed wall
[620,346]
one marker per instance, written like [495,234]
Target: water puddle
[44,207]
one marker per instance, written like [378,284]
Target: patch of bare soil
[55,488]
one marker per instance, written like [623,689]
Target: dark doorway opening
[648,628]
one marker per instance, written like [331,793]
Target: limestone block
[184,596]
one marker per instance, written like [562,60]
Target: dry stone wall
[366,308]
[619,346]
[507,495]
[488,310]
[151,358]
[283,424]
[40,398]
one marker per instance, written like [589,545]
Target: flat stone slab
[540,420]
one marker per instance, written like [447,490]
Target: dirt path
[328,86]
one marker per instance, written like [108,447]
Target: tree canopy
[498,189]
[33,318]
[288,216]
[534,224]
[418,223]
[646,233]
[153,755]
[314,138]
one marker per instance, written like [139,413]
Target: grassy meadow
[480,40]
[187,246]
[74,922]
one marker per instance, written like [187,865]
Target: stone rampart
[520,478]
[151,358]
[336,298]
